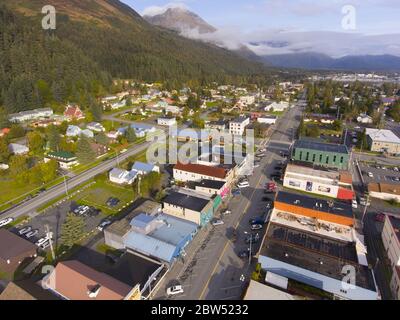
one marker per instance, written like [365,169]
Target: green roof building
[321,154]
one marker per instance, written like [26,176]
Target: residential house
[30,115]
[14,250]
[95,126]
[120,176]
[17,149]
[277,106]
[267,119]
[73,112]
[321,118]
[73,131]
[365,119]
[65,159]
[73,280]
[99,149]
[87,133]
[145,168]
[219,125]
[165,121]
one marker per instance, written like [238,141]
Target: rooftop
[396,225]
[320,146]
[382,135]
[186,201]
[260,291]
[13,246]
[239,120]
[314,253]
[64,155]
[384,188]
[211,184]
[217,172]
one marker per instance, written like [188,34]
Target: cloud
[156,10]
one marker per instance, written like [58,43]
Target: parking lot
[380,174]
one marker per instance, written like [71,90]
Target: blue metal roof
[142,220]
[143,167]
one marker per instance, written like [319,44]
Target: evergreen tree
[4,153]
[101,138]
[53,138]
[130,134]
[35,142]
[72,230]
[84,152]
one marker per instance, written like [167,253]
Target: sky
[333,27]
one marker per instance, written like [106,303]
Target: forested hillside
[95,41]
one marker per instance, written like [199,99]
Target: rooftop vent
[94,292]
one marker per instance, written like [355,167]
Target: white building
[145,168]
[246,100]
[238,126]
[30,115]
[364,118]
[120,176]
[18,149]
[166,121]
[73,131]
[95,126]
[380,140]
[279,107]
[267,119]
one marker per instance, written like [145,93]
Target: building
[238,126]
[120,176]
[365,119]
[260,291]
[145,168]
[197,172]
[65,159]
[25,290]
[219,125]
[73,280]
[18,149]
[73,131]
[141,129]
[87,133]
[4,132]
[383,141]
[277,107]
[96,127]
[14,250]
[321,154]
[320,118]
[384,191]
[197,209]
[267,119]
[161,237]
[247,100]
[30,115]
[73,112]
[192,135]
[114,234]
[212,187]
[391,243]
[329,183]
[165,121]
[99,149]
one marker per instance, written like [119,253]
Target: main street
[215,271]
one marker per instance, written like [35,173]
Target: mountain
[96,40]
[315,61]
[181,21]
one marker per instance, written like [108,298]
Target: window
[301,155]
[334,159]
[327,159]
[308,156]
[313,158]
[341,159]
[320,158]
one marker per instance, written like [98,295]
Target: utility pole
[66,185]
[140,179]
[50,236]
[365,210]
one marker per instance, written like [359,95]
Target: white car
[41,241]
[103,225]
[6,221]
[243,184]
[354,204]
[217,222]
[45,245]
[226,212]
[173,291]
[370,174]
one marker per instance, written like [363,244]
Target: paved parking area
[388,175]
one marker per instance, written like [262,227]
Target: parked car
[175,290]
[244,254]
[112,202]
[25,230]
[6,221]
[226,212]
[45,245]
[32,234]
[41,241]
[256,227]
[236,192]
[103,225]
[370,174]
[269,204]
[217,222]
[354,204]
[244,184]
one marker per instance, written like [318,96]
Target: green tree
[53,138]
[84,152]
[313,131]
[49,171]
[35,142]
[302,131]
[101,138]
[130,134]
[72,230]
[4,153]
[394,112]
[16,131]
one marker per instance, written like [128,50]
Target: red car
[380,217]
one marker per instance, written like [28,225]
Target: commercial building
[267,119]
[260,291]
[196,208]
[384,191]
[277,107]
[120,176]
[161,237]
[212,187]
[115,233]
[73,280]
[329,183]
[380,140]
[29,115]
[14,250]
[321,154]
[198,172]
[65,159]
[238,126]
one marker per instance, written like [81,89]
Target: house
[120,176]
[95,126]
[321,154]
[277,107]
[321,181]
[115,233]
[197,172]
[161,237]
[321,118]
[238,126]
[73,112]
[141,129]
[87,133]
[219,125]
[165,121]
[14,250]
[145,168]
[267,119]
[195,208]
[25,290]
[113,135]
[73,131]
[73,280]
[4,132]
[18,149]
[99,149]
[118,105]
[384,191]
[30,115]
[364,118]
[173,109]
[65,159]
[381,140]
[391,243]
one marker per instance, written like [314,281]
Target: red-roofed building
[198,172]
[73,112]
[4,132]
[73,280]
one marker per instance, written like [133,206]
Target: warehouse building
[329,183]
[385,141]
[321,154]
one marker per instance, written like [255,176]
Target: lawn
[98,194]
